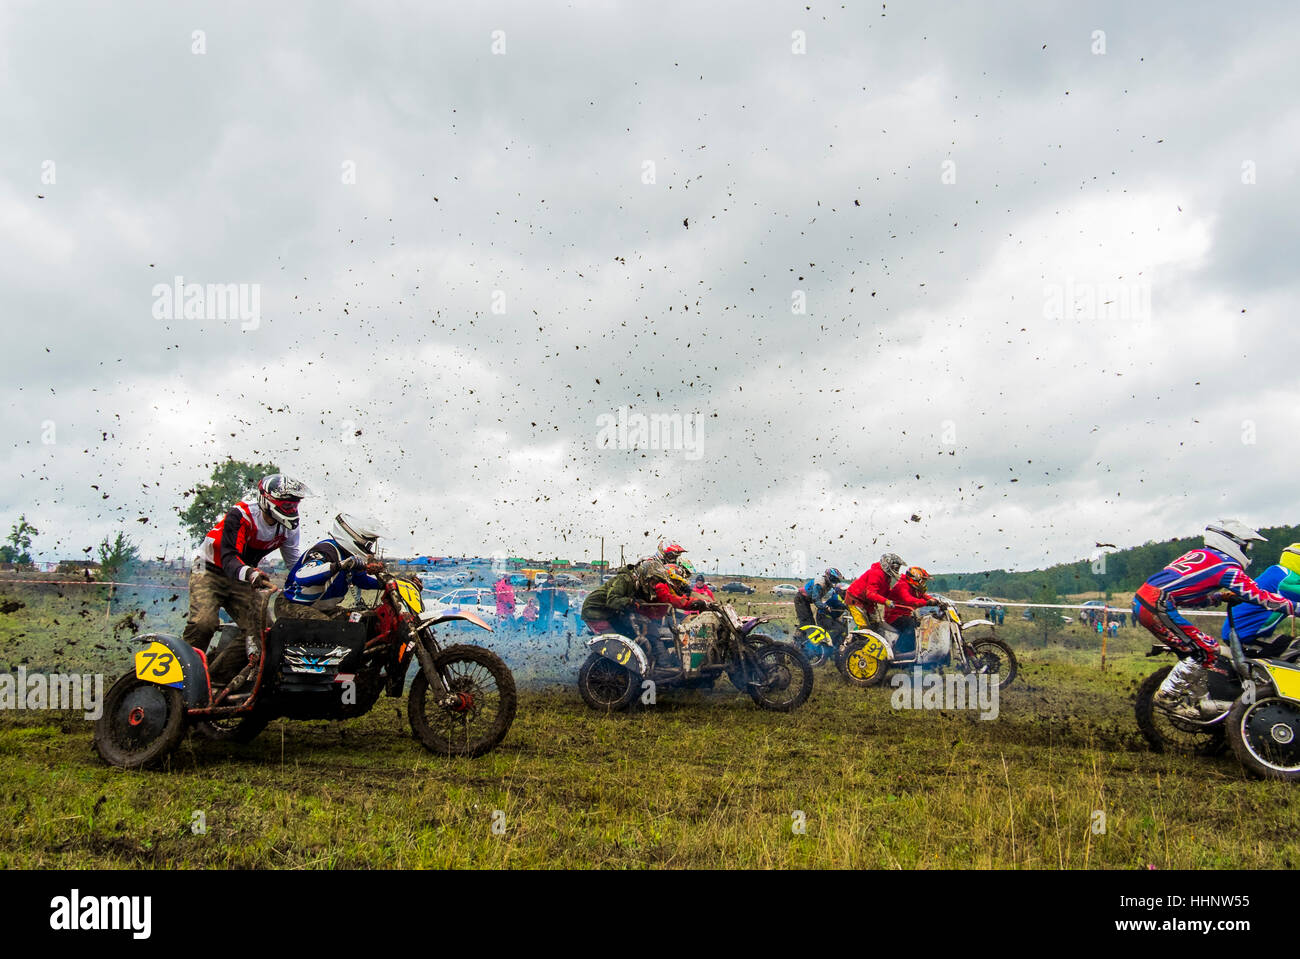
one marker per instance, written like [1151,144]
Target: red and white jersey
[243,538]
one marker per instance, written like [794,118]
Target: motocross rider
[225,572]
[816,592]
[320,580]
[1197,578]
[869,593]
[610,606]
[909,595]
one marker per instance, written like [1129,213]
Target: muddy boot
[1183,690]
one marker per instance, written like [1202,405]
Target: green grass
[700,780]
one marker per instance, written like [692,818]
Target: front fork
[442,696]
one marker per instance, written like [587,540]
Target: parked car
[981,601]
[480,601]
[737,587]
[567,579]
[785,589]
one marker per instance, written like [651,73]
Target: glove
[374,566]
[697,604]
[259,580]
[347,564]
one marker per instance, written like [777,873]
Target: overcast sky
[1048,274]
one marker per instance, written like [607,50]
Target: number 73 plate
[158,664]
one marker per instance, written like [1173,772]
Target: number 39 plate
[158,664]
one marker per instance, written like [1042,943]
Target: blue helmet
[833,576]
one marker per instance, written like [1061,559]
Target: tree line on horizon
[1113,571]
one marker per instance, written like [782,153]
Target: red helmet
[279,495]
[669,554]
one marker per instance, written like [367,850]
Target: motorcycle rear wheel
[1165,732]
[476,727]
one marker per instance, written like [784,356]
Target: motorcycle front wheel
[480,705]
[783,680]
[993,657]
[1265,737]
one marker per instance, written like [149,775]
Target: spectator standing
[505,594]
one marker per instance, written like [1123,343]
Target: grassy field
[698,780]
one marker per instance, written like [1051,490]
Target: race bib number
[874,648]
[158,664]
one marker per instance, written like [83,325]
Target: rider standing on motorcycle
[909,595]
[1256,624]
[320,580]
[1195,579]
[225,572]
[816,592]
[869,593]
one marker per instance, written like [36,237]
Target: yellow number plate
[1287,679]
[158,664]
[874,648]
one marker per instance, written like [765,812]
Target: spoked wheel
[783,679]
[606,686]
[992,657]
[478,709]
[141,723]
[1165,732]
[1265,737]
[859,667]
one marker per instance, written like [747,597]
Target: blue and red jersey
[1191,579]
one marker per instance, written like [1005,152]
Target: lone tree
[17,547]
[231,482]
[117,556]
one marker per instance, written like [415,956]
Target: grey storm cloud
[1045,286]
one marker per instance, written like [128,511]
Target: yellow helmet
[678,576]
[1290,558]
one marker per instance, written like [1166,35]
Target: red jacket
[871,589]
[666,594]
[905,600]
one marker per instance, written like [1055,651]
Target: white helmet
[356,535]
[1234,538]
[893,565]
[278,495]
